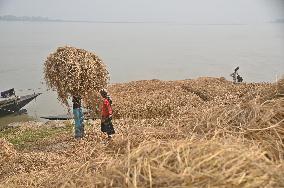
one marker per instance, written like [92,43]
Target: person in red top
[106,114]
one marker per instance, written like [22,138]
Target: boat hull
[15,105]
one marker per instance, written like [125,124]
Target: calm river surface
[136,51]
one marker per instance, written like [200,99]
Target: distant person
[78,117]
[106,114]
[236,76]
[239,78]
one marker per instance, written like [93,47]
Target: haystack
[71,71]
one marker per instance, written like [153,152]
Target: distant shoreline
[27,18]
[12,18]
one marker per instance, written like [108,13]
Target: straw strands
[192,163]
[280,87]
[72,71]
[156,98]
[7,151]
[206,132]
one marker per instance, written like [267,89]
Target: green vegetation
[6,120]
[32,137]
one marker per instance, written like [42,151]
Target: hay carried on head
[71,71]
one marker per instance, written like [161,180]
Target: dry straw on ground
[280,87]
[72,71]
[192,163]
[206,132]
[7,151]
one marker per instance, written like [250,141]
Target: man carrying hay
[71,72]
[78,117]
[236,77]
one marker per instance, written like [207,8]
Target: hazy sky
[189,11]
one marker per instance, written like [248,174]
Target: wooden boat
[10,103]
[58,117]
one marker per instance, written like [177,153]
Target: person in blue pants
[78,117]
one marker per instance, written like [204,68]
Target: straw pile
[152,99]
[179,98]
[72,71]
[259,122]
[206,132]
[192,163]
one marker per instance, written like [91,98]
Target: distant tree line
[26,18]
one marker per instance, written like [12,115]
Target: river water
[136,51]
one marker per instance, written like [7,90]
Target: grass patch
[24,139]
[31,138]
[6,120]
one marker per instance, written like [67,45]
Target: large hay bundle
[71,71]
